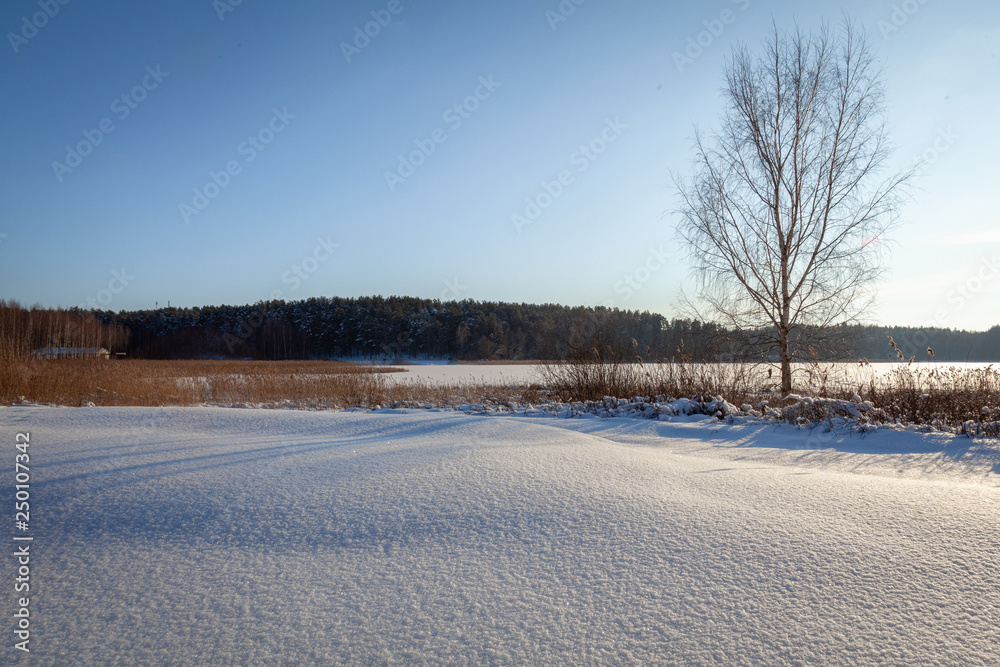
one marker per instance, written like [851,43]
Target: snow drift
[226,536]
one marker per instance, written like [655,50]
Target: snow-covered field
[216,536]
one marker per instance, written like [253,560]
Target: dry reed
[954,399]
[295,384]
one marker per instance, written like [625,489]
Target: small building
[72,353]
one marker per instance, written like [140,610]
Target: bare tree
[786,214]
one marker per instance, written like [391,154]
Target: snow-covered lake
[221,536]
[461,373]
[527,373]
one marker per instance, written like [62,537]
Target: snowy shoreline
[802,412]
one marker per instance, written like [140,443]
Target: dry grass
[614,367]
[953,399]
[593,380]
[968,398]
[189,382]
[425,393]
[295,384]
[943,397]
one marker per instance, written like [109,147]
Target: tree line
[392,327]
[25,330]
[406,327]
[929,343]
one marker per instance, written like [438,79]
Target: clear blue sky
[155,98]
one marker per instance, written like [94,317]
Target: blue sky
[228,153]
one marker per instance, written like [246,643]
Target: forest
[396,327]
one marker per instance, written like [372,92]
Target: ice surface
[444,373]
[220,536]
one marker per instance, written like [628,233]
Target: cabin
[72,353]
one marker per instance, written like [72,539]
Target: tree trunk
[785,328]
[785,354]
[786,365]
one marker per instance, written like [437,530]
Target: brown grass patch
[586,380]
[189,382]
[952,397]
[293,384]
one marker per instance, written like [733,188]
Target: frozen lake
[234,537]
[527,373]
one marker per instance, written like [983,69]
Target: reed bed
[965,400]
[294,384]
[593,380]
[188,382]
[952,399]
[968,398]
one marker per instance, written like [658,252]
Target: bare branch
[786,197]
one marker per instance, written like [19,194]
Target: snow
[230,536]
[438,372]
[449,374]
